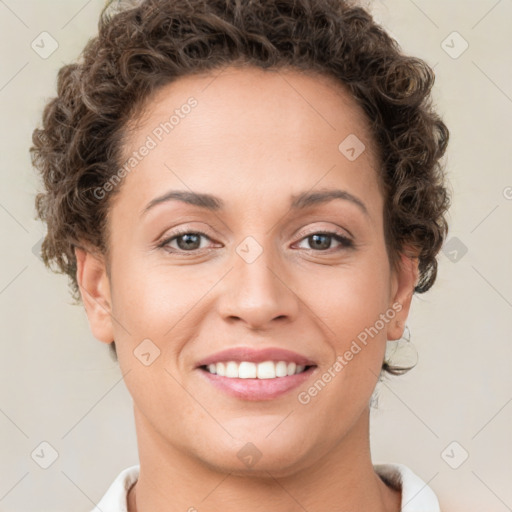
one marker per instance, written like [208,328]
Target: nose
[258,293]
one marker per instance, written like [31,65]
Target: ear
[404,279]
[93,281]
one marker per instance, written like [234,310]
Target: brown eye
[322,241]
[189,241]
[186,241]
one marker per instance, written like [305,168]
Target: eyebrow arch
[299,202]
[206,201]
[307,199]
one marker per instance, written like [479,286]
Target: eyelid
[327,231]
[165,240]
[182,229]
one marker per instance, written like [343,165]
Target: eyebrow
[299,202]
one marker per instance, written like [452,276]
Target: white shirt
[416,495]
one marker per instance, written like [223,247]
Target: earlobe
[405,279]
[94,285]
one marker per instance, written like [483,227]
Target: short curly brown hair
[149,43]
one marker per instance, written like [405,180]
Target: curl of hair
[143,45]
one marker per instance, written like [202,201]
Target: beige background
[59,385]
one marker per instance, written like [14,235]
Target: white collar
[417,496]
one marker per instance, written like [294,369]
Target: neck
[344,480]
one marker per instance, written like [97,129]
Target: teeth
[248,370]
[281,369]
[232,370]
[221,369]
[267,370]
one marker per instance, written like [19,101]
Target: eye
[190,241]
[321,241]
[186,241]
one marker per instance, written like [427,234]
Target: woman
[245,196]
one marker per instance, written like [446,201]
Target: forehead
[268,100]
[249,128]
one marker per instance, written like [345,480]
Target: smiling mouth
[250,370]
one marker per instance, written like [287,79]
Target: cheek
[351,319]
[354,308]
[159,309]
[149,300]
[350,298]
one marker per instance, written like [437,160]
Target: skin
[255,139]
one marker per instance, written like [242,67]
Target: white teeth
[267,370]
[221,369]
[281,369]
[232,370]
[248,370]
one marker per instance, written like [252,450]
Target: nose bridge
[255,291]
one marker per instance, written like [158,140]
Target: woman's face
[282,157]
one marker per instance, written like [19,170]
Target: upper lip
[240,354]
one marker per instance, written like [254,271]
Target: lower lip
[258,389]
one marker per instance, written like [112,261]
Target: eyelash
[346,243]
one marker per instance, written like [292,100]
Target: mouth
[256,375]
[250,370]
[249,381]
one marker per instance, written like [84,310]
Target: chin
[281,454]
